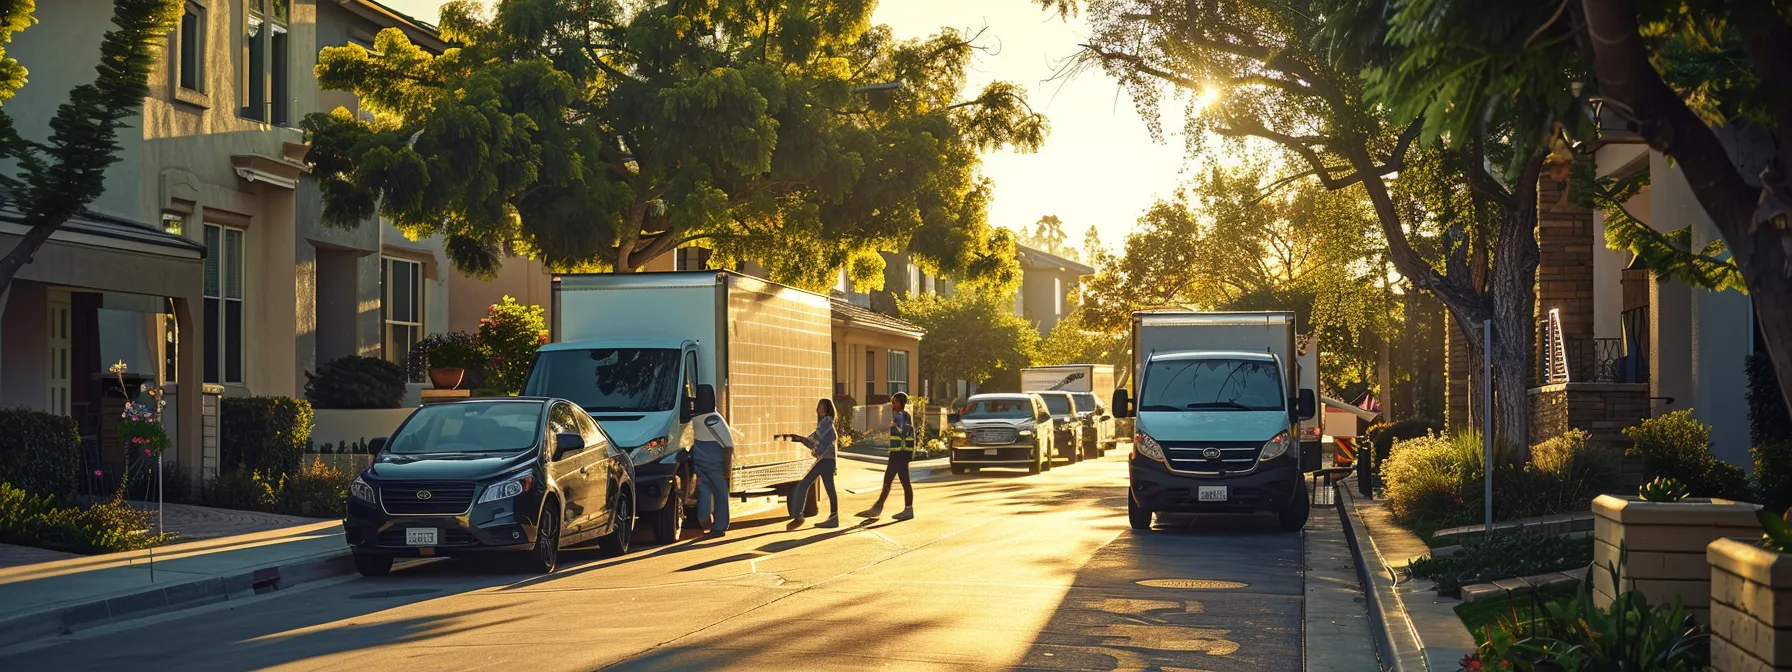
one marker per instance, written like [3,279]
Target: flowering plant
[140,426]
[509,335]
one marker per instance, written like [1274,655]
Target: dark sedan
[517,474]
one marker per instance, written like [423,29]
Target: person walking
[821,445]
[713,453]
[902,451]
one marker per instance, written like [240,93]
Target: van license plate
[420,536]
[1211,493]
[990,452]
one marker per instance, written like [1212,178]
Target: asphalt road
[998,571]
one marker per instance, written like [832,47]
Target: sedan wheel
[546,554]
[616,542]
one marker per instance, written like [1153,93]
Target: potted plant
[1666,533]
[1751,598]
[446,357]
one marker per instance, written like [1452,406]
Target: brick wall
[1565,259]
[1456,377]
[1602,409]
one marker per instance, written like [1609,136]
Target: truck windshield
[998,409]
[1212,384]
[1059,404]
[1085,402]
[471,427]
[608,379]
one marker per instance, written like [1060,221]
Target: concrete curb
[1372,581]
[1420,631]
[153,600]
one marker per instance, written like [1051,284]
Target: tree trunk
[22,253]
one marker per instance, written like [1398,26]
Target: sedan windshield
[1059,404]
[608,379]
[472,427]
[998,409]
[1212,385]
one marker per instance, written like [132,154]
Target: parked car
[1002,430]
[1098,423]
[1067,427]
[521,475]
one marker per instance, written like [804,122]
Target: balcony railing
[1595,360]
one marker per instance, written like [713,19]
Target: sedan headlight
[1026,432]
[1147,446]
[507,489]
[644,451]
[359,489]
[1275,447]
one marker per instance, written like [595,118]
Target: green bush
[453,350]
[1575,471]
[509,335]
[41,453]
[1770,434]
[262,434]
[1436,482]
[356,382]
[238,489]
[1628,634]
[1382,436]
[317,491]
[1773,473]
[1678,446]
[1426,478]
[1503,556]
[36,520]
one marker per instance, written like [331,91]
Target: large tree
[55,180]
[1265,70]
[789,132]
[971,334]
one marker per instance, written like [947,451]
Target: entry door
[61,351]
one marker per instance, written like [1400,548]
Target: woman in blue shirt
[821,445]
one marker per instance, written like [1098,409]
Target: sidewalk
[1418,629]
[61,593]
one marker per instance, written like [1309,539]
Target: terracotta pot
[446,378]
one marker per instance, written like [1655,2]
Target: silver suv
[1002,430]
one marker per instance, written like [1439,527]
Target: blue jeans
[824,470]
[712,483]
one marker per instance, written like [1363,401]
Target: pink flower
[97,472]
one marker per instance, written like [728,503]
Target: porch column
[190,376]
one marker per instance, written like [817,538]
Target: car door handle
[584,470]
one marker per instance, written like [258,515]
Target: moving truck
[1219,404]
[1312,430]
[1091,385]
[644,353]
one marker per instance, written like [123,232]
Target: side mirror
[1122,404]
[567,444]
[953,418]
[1306,405]
[706,399]
[375,445]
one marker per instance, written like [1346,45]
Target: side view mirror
[1306,405]
[567,444]
[1122,404]
[953,418]
[375,445]
[706,399]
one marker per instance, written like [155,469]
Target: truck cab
[1216,432]
[643,393]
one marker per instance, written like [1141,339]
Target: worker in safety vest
[902,451]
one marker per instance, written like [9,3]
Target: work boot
[873,512]
[907,514]
[832,522]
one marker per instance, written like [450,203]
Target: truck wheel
[369,564]
[958,470]
[1138,516]
[812,500]
[1035,467]
[1294,516]
[1092,449]
[666,521]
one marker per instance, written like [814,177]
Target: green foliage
[1072,342]
[55,180]
[356,382]
[1382,435]
[795,133]
[1048,236]
[1435,482]
[1485,615]
[140,427]
[265,434]
[1777,530]
[1668,254]
[42,453]
[1427,479]
[452,350]
[970,335]
[1768,420]
[509,335]
[1679,446]
[1773,473]
[1503,556]
[317,490]
[1628,634]
[1663,489]
[107,527]
[238,489]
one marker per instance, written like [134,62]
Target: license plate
[991,452]
[421,536]
[1211,493]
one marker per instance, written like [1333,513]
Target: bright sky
[1099,166]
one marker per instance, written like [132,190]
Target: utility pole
[1384,361]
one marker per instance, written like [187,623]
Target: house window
[870,375]
[401,307]
[693,258]
[914,279]
[896,371]
[265,80]
[192,47]
[1057,296]
[223,304]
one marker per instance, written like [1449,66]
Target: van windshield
[998,409]
[608,379]
[1085,402]
[1058,404]
[1212,385]
[469,427]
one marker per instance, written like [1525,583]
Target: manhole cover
[385,594]
[1197,584]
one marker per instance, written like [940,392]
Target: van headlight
[643,452]
[1274,448]
[359,489]
[1026,432]
[1144,445]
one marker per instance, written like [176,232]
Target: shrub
[1773,473]
[1382,436]
[1503,556]
[1679,446]
[1435,481]
[238,489]
[1628,634]
[41,454]
[1426,478]
[262,434]
[455,350]
[36,520]
[356,382]
[1577,471]
[509,335]
[1768,420]
[317,491]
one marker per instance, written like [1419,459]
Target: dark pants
[898,468]
[824,470]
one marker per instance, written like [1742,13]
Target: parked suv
[1002,430]
[1067,426]
[1098,424]
[516,474]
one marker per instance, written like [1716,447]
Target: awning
[1367,416]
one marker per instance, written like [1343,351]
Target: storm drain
[387,594]
[1192,584]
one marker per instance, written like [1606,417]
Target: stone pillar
[1565,272]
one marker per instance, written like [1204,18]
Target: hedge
[41,453]
[1768,421]
[263,434]
[356,382]
[1382,436]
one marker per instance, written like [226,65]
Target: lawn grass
[1481,615]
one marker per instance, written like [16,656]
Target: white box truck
[1219,403]
[1312,430]
[1090,386]
[636,351]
